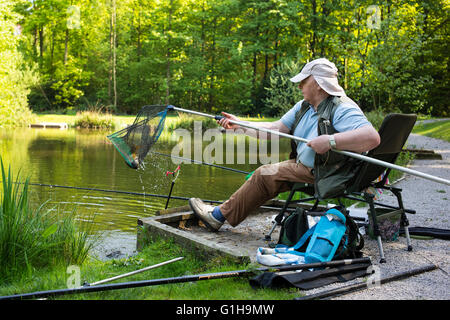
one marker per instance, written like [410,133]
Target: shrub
[94,118]
[15,77]
[282,94]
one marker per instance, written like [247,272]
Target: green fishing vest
[333,172]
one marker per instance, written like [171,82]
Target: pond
[88,170]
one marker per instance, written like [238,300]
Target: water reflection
[85,159]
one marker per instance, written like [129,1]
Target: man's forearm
[359,140]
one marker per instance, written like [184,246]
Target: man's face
[308,87]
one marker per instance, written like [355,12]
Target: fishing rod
[364,284]
[182,279]
[178,197]
[200,162]
[347,153]
[138,194]
[115,191]
[132,273]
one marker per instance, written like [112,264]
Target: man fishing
[325,109]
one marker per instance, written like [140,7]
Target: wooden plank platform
[49,125]
[239,243]
[424,154]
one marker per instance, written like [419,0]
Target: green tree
[15,76]
[282,94]
[215,55]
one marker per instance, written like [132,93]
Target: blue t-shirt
[348,116]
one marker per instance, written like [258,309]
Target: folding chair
[394,131]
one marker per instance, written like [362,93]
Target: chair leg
[408,239]
[280,216]
[376,231]
[404,219]
[380,250]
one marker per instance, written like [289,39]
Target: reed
[94,120]
[35,238]
[96,116]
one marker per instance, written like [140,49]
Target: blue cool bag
[324,238]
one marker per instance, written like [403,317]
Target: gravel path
[431,202]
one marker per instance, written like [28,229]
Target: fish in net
[135,141]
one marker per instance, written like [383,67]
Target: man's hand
[320,144]
[225,121]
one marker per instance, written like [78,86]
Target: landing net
[135,141]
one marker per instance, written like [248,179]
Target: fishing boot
[204,213]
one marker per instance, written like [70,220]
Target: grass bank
[435,129]
[155,252]
[96,120]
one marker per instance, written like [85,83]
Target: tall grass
[31,239]
[95,118]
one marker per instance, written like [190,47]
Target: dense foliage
[15,76]
[231,55]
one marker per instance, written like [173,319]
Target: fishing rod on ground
[362,285]
[182,279]
[347,153]
[132,273]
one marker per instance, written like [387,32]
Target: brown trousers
[265,183]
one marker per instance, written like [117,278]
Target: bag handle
[337,213]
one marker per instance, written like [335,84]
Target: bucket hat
[325,73]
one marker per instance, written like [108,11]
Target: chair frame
[390,147]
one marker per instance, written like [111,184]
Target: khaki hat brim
[330,86]
[299,77]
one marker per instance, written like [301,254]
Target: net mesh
[135,141]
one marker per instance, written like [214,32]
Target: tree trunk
[139,31]
[114,56]
[35,33]
[66,46]
[52,50]
[41,43]
[314,28]
[110,57]
[213,67]
[168,53]
[112,87]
